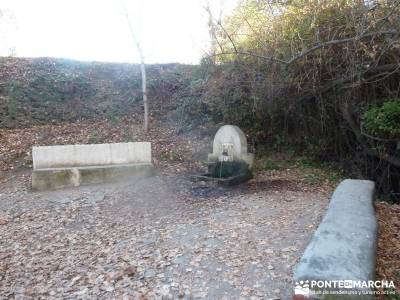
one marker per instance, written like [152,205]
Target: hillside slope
[46,90]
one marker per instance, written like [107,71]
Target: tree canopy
[304,72]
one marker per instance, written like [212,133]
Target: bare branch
[270,58]
[342,41]
[212,29]
[229,37]
[376,138]
[306,52]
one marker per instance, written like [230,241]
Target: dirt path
[156,237]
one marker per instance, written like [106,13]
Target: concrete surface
[231,139]
[75,165]
[45,157]
[344,245]
[47,179]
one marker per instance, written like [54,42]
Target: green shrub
[384,121]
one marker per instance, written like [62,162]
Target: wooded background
[320,78]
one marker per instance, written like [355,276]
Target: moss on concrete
[53,179]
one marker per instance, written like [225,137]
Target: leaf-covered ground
[158,237]
[388,258]
[163,236]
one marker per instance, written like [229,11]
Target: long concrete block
[343,247]
[46,157]
[74,165]
[47,179]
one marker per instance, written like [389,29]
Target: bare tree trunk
[144,89]
[142,70]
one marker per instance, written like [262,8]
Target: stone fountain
[230,162]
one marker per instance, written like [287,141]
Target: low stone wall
[46,157]
[343,248]
[74,165]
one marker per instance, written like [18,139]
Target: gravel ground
[160,237]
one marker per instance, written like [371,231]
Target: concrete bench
[343,247]
[74,165]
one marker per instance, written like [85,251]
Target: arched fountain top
[230,134]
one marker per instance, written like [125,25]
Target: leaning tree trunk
[144,89]
[142,70]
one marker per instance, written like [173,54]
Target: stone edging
[343,247]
